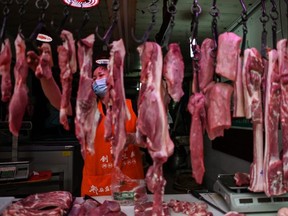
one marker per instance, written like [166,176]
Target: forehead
[100,70]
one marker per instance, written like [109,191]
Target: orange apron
[96,180]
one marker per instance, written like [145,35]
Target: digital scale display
[7,172]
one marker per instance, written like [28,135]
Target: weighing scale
[242,200]
[15,168]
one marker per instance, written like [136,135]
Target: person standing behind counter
[98,168]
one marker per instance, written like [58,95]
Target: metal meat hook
[153,8]
[108,34]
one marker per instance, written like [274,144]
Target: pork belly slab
[273,168]
[282,48]
[227,55]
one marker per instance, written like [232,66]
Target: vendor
[98,167]
[97,170]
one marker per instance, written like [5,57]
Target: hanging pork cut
[273,169]
[19,100]
[87,114]
[5,64]
[68,66]
[152,120]
[115,100]
[238,97]
[173,71]
[218,109]
[227,55]
[43,69]
[282,47]
[196,107]
[252,73]
[206,63]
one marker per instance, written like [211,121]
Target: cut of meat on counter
[50,203]
[196,107]
[227,55]
[115,101]
[5,64]
[273,170]
[152,120]
[173,71]
[234,213]
[87,114]
[92,207]
[218,100]
[19,100]
[68,66]
[252,73]
[283,70]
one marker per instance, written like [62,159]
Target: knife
[197,194]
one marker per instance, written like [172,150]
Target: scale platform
[14,170]
[242,200]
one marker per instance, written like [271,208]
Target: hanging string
[86,19]
[153,9]
[108,34]
[171,8]
[42,5]
[286,1]
[244,26]
[4,23]
[214,12]
[21,11]
[196,10]
[65,17]
[274,16]
[264,19]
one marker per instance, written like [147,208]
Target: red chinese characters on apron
[96,180]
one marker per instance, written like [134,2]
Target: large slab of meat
[252,73]
[207,64]
[115,100]
[152,120]
[50,203]
[227,55]
[196,107]
[19,100]
[87,114]
[173,71]
[218,109]
[282,47]
[273,169]
[5,64]
[68,66]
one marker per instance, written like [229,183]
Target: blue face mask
[100,87]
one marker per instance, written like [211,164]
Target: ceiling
[133,15]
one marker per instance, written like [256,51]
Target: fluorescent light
[43,38]
[102,61]
[81,3]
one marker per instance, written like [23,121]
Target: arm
[49,86]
